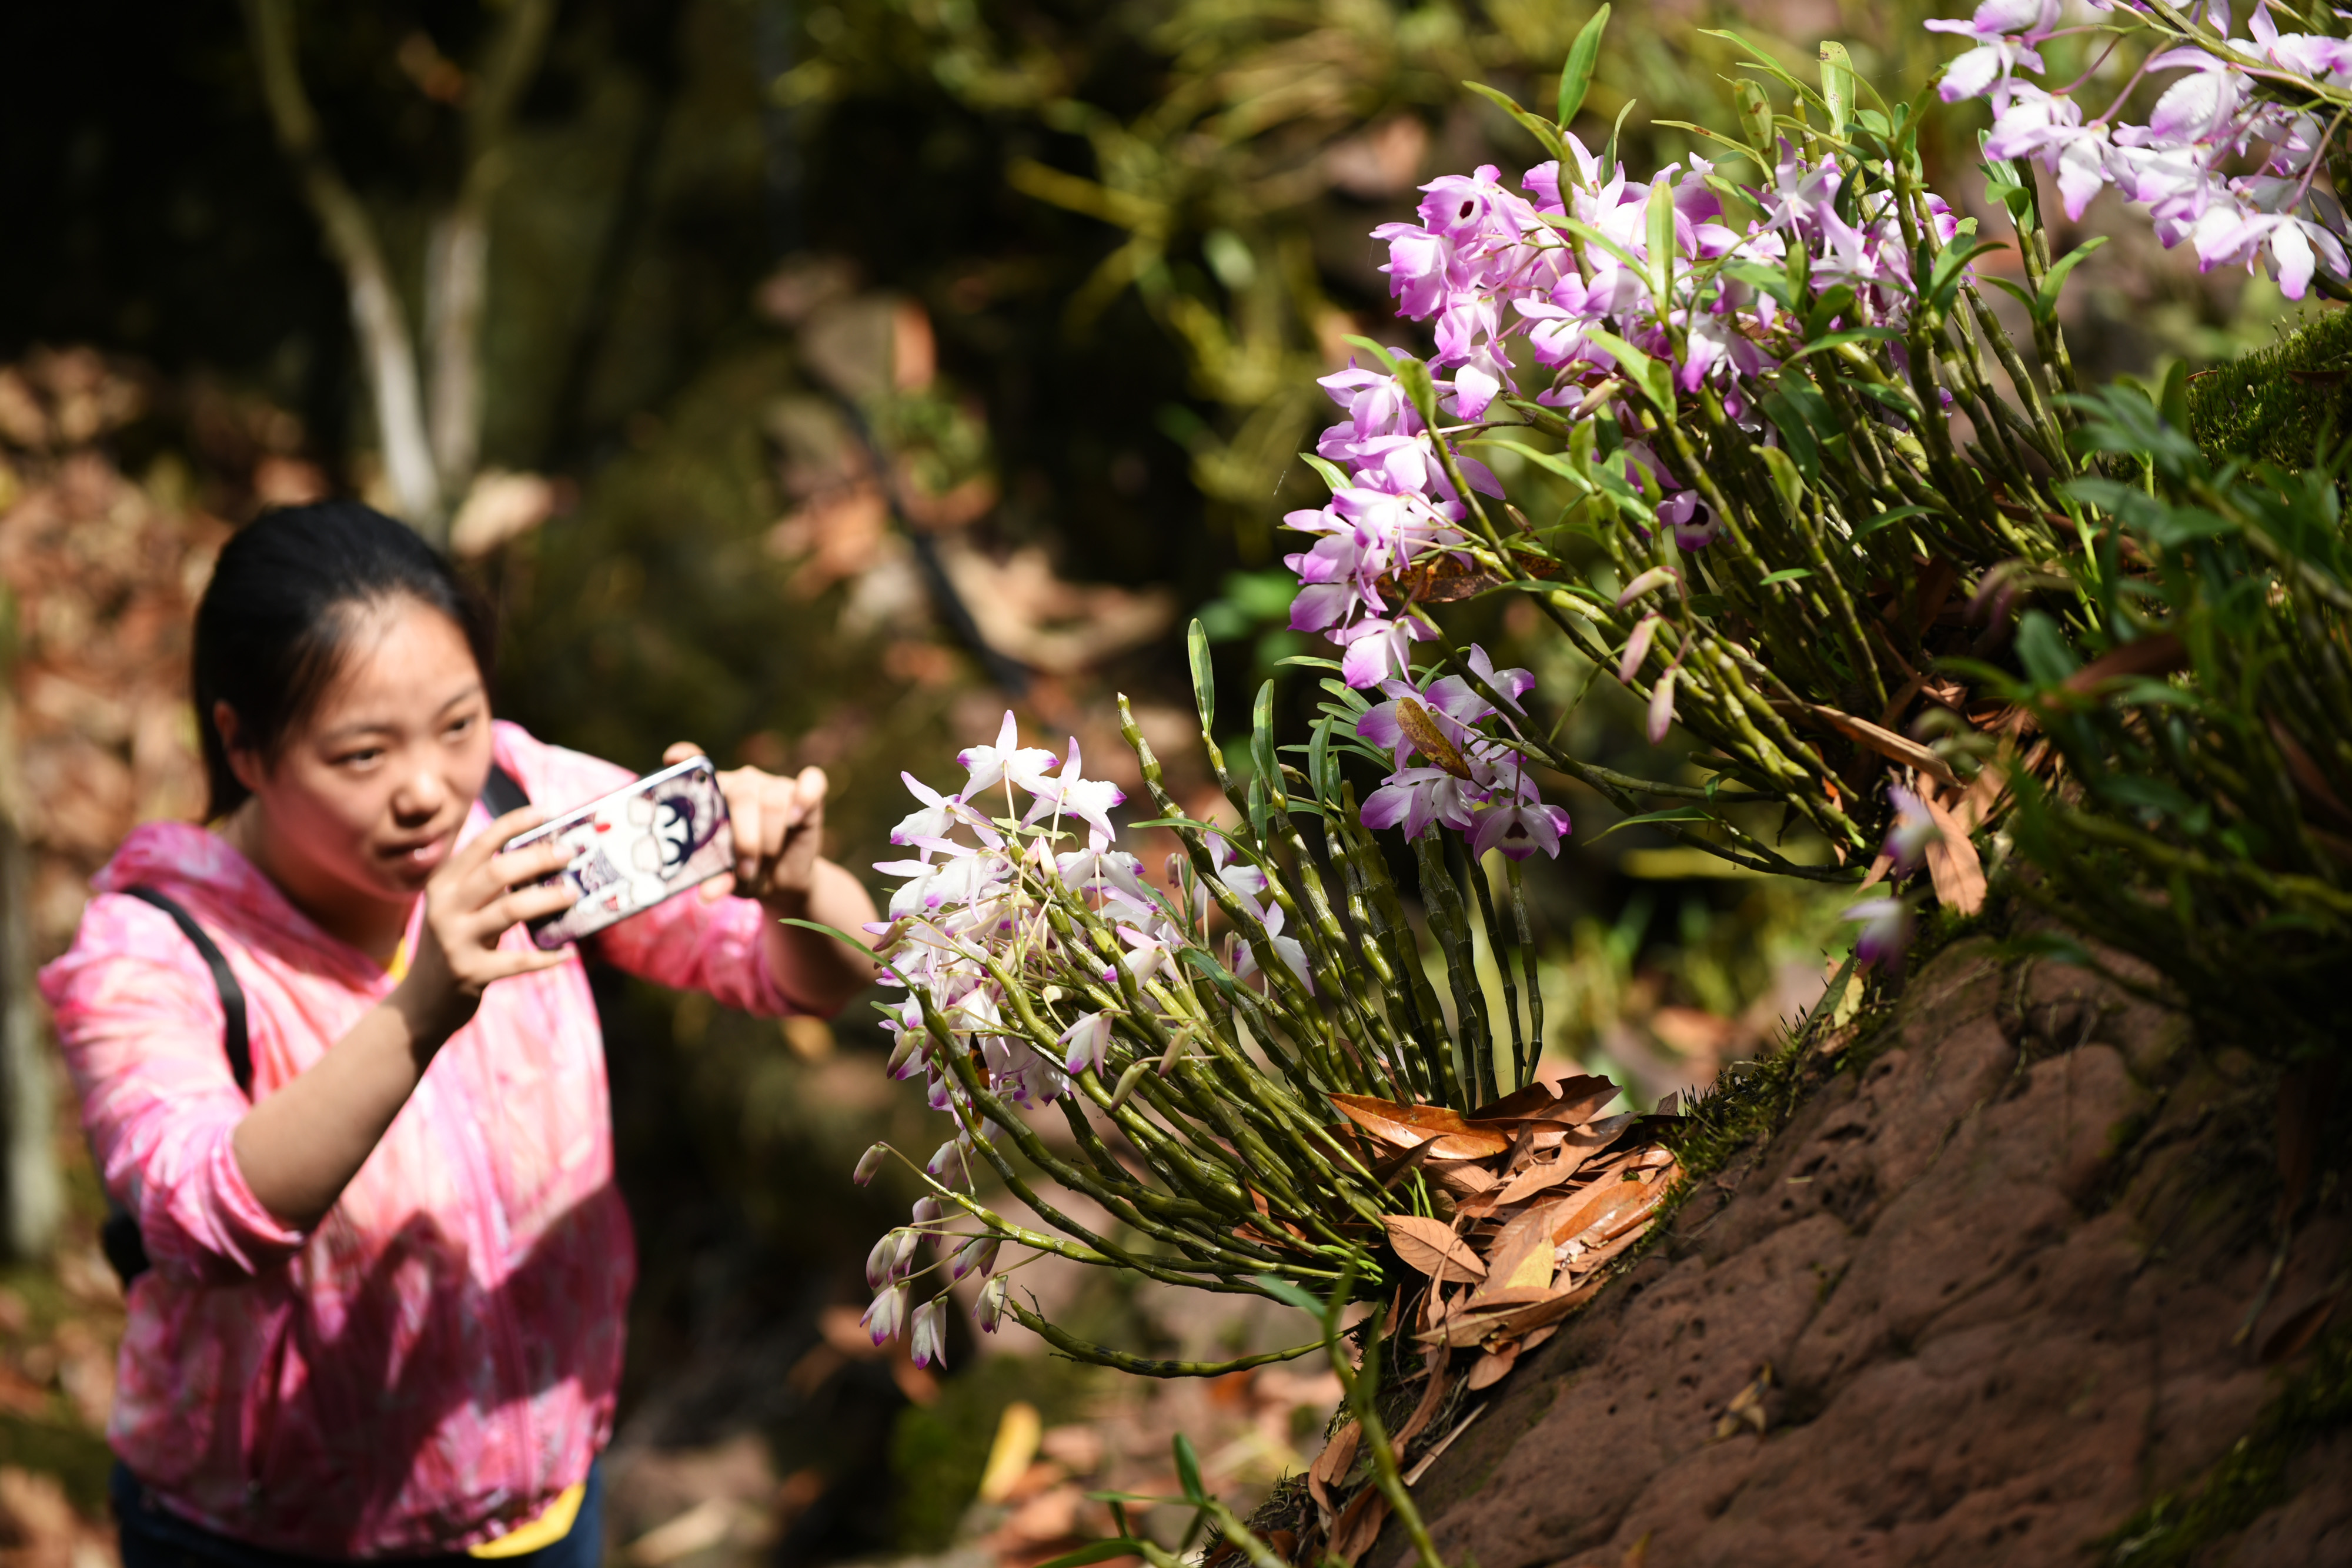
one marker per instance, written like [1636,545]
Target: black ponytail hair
[272,630]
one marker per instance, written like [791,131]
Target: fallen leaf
[1474,1327]
[1429,1246]
[1358,1525]
[1887,744]
[1462,1178]
[2291,1337]
[1537,1178]
[1519,1257]
[1433,1395]
[1747,1407]
[1538,1337]
[1492,1367]
[1332,1465]
[1611,1202]
[1407,1127]
[2157,655]
[1571,1100]
[1952,863]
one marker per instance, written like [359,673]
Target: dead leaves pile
[1536,1195]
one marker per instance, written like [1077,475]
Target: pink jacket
[436,1360]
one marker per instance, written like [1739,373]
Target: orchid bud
[1656,577]
[870,1164]
[1885,930]
[977,1256]
[946,1159]
[1637,647]
[907,1052]
[929,1210]
[930,1336]
[1662,708]
[889,1258]
[989,1311]
[884,1318]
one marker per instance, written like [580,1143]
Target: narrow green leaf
[1785,477]
[1827,310]
[1262,745]
[1380,357]
[1888,518]
[1662,241]
[1188,1470]
[1307,662]
[1543,130]
[1331,473]
[1796,434]
[1763,62]
[1837,85]
[1318,762]
[1219,975]
[1654,379]
[1823,344]
[1414,376]
[1609,148]
[1787,574]
[2046,307]
[2174,401]
[1944,281]
[1653,818]
[1576,75]
[1204,676]
[1274,1285]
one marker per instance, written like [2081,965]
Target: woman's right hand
[469,905]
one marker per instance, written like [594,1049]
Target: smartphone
[641,843]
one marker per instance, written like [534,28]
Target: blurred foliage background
[876,364]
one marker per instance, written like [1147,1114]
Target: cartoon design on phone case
[636,847]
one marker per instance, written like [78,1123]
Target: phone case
[664,833]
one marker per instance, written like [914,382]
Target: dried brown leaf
[1492,1367]
[1598,1213]
[1887,744]
[1332,1465]
[1429,1246]
[1433,1396]
[1358,1525]
[2294,1336]
[1952,863]
[1519,1257]
[1405,1127]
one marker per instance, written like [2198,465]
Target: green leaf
[1332,474]
[1188,1470]
[1762,61]
[1274,1285]
[1543,130]
[1944,281]
[2174,401]
[1711,605]
[1796,434]
[1590,236]
[1661,236]
[1888,518]
[1654,379]
[1787,574]
[1380,357]
[1414,376]
[1556,462]
[2042,649]
[1576,75]
[1262,744]
[1772,280]
[1839,339]
[1219,975]
[1204,676]
[1785,477]
[1834,303]
[1609,148]
[2045,304]
[1318,762]
[1655,819]
[1837,85]
[1308,661]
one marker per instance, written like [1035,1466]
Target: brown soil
[1995,1274]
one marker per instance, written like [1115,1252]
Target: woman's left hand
[777,824]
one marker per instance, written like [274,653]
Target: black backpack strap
[501,794]
[234,1038]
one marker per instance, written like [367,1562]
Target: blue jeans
[153,1537]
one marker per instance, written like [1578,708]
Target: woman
[384,1314]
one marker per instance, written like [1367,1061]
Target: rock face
[1995,1276]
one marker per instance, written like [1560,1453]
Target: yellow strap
[548,1528]
[398,967]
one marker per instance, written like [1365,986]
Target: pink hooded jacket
[434,1362]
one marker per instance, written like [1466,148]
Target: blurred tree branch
[430,446]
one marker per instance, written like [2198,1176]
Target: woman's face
[369,793]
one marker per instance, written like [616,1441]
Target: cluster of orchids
[2230,154]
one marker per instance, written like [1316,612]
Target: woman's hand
[469,905]
[779,827]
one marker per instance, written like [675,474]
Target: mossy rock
[2285,404]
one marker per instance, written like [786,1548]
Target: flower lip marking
[1428,739]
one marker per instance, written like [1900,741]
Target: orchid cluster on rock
[2230,154]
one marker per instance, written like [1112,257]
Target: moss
[939,1450]
[2252,1478]
[2282,402]
[80,1459]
